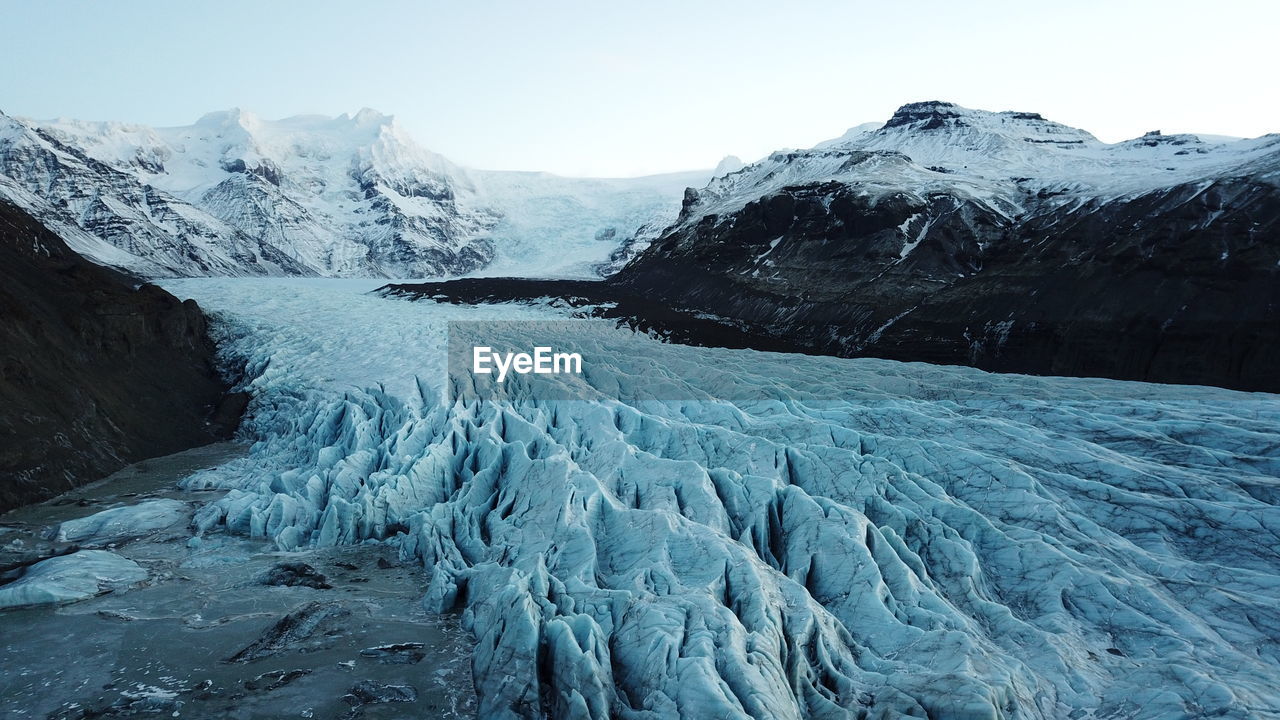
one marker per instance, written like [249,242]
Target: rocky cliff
[1179,285]
[96,371]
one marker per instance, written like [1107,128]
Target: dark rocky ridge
[1141,288]
[599,299]
[1179,285]
[931,115]
[95,373]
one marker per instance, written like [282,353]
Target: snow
[773,245]
[84,243]
[554,226]
[996,158]
[68,578]
[729,164]
[331,171]
[853,134]
[725,533]
[114,218]
[123,523]
[910,245]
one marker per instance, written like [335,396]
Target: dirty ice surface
[149,625]
[776,536]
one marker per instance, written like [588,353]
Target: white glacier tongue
[830,538]
[560,227]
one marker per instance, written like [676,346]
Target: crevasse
[850,538]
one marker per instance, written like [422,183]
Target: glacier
[68,578]
[738,534]
[122,523]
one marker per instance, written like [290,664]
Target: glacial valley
[734,533]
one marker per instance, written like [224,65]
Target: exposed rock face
[933,115]
[1176,285]
[291,630]
[369,692]
[293,574]
[94,373]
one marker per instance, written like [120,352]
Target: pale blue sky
[599,89]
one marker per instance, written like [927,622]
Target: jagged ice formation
[776,536]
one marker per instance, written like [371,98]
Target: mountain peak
[367,117]
[730,163]
[980,128]
[927,115]
[227,118]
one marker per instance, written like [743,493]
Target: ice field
[733,534]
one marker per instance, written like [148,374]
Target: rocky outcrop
[96,371]
[1180,285]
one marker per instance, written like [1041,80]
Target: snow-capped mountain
[995,239]
[234,194]
[998,239]
[1010,161]
[109,215]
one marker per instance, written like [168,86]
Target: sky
[603,89]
